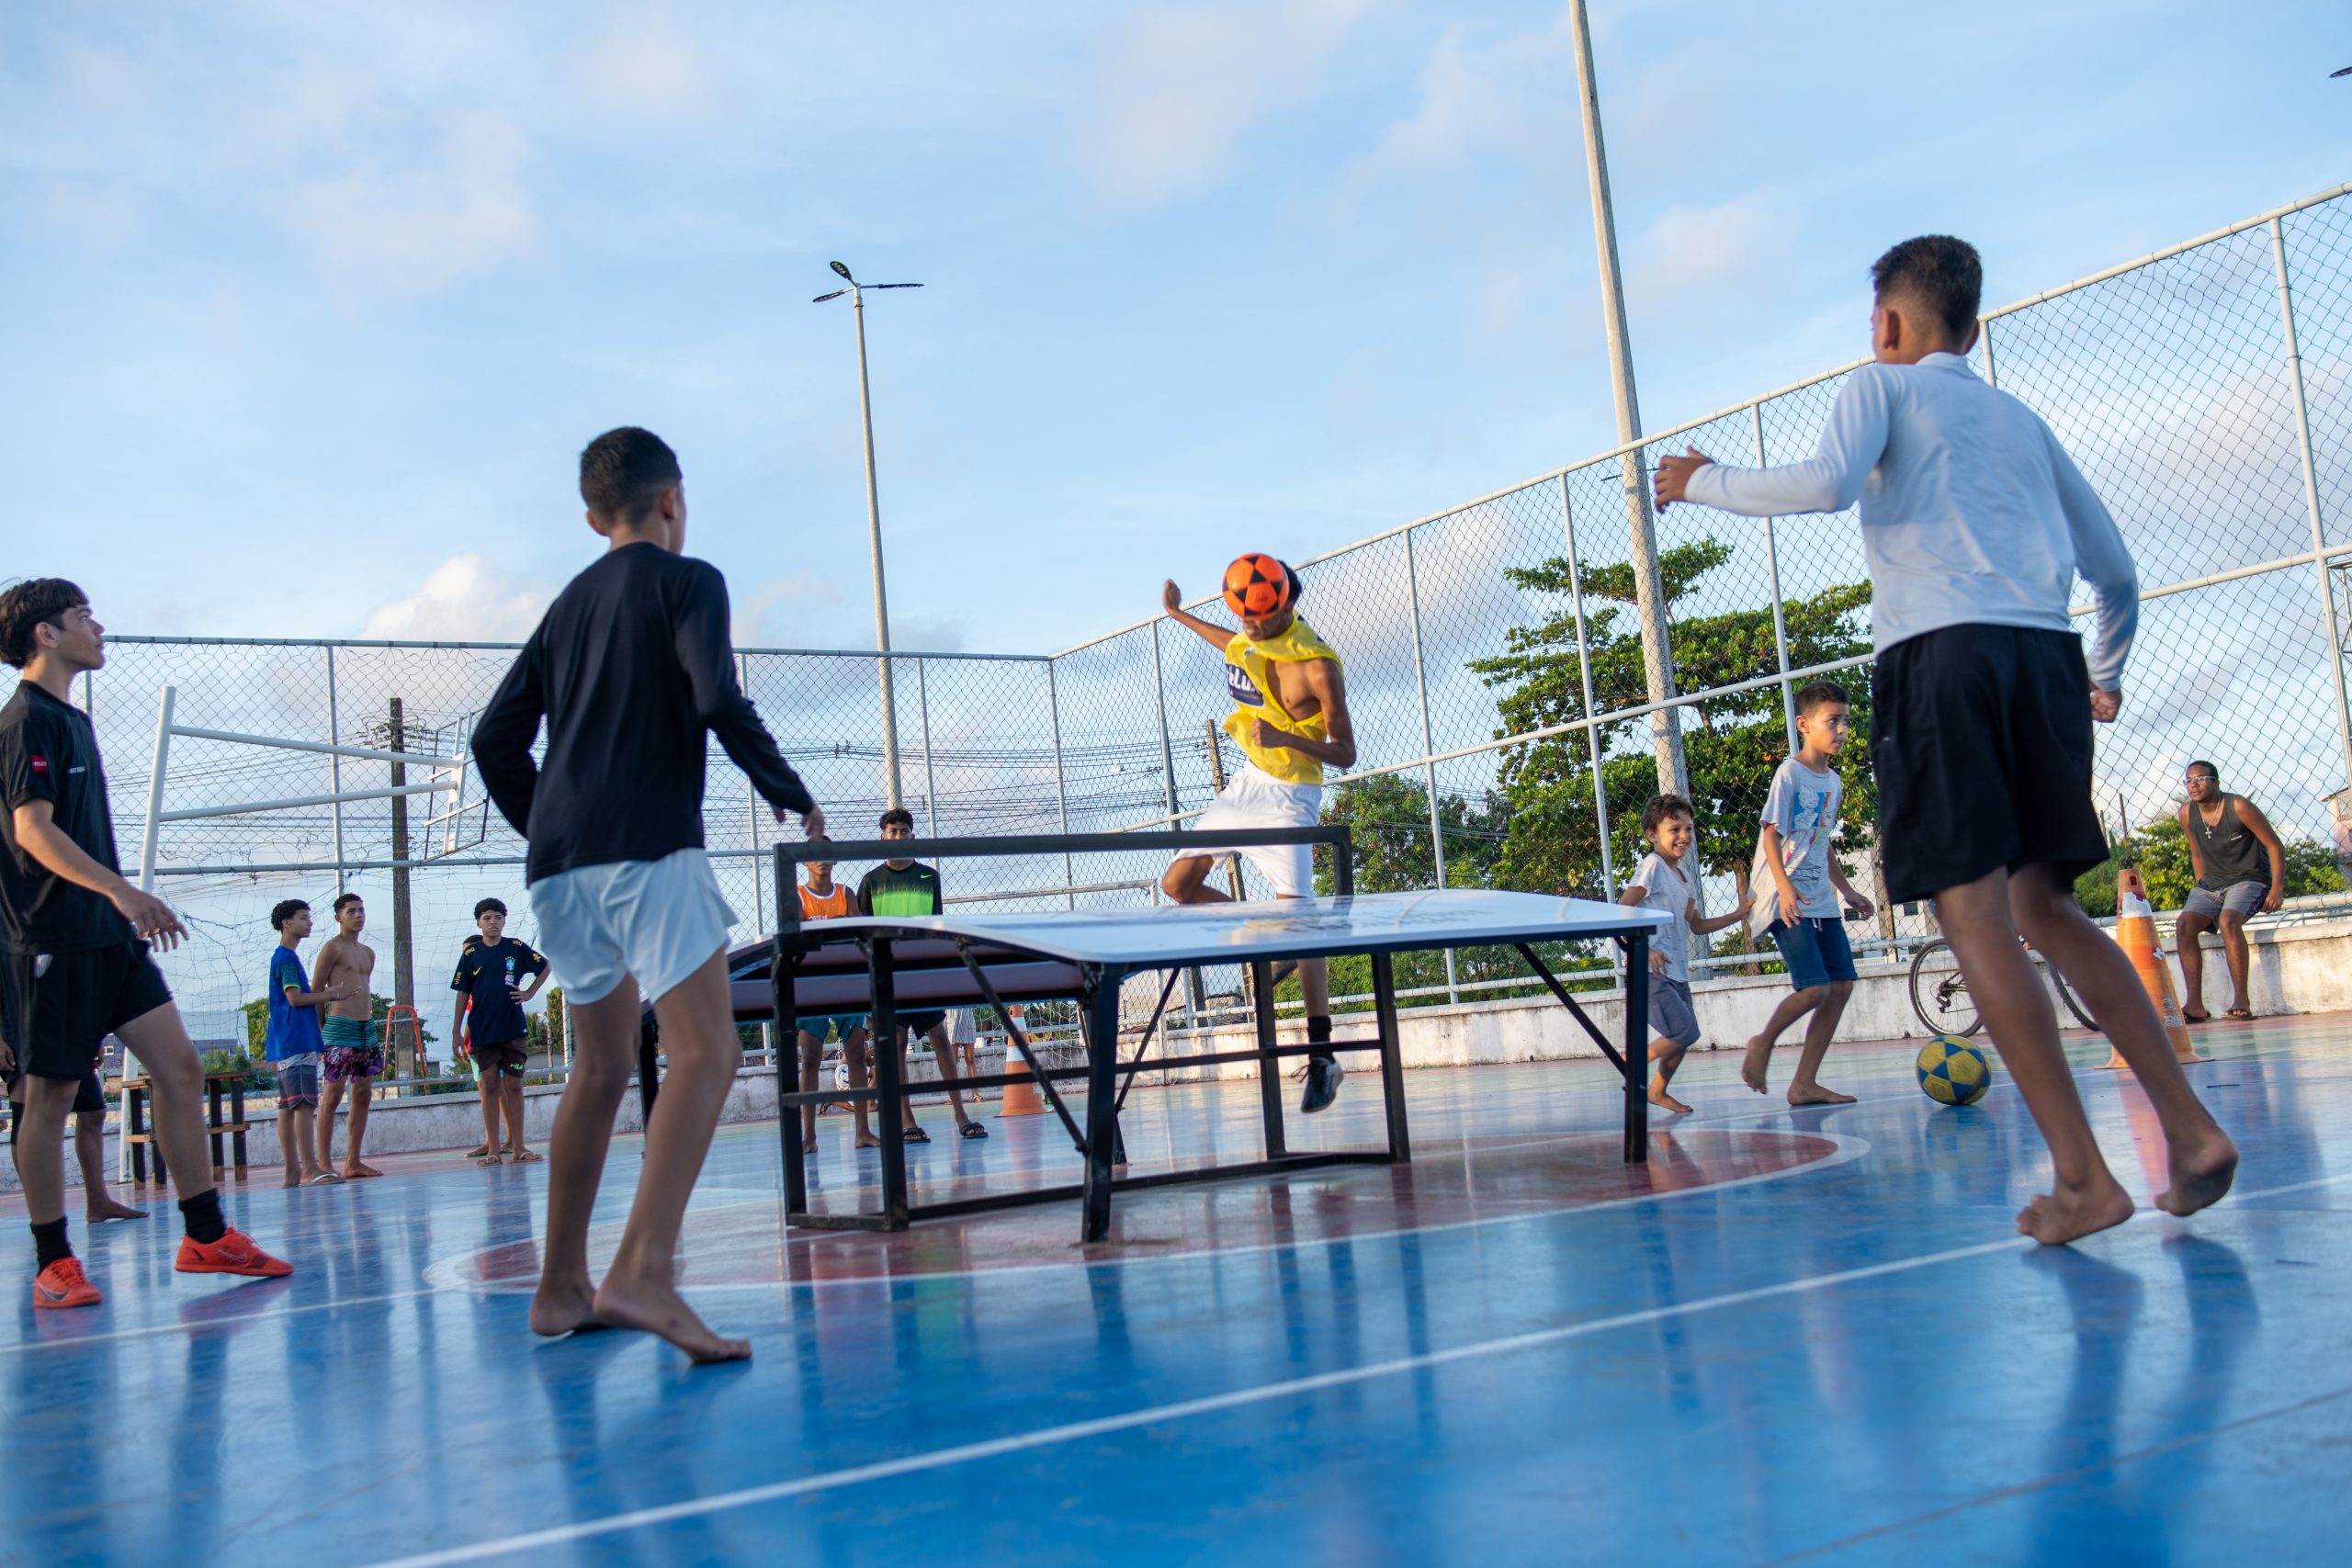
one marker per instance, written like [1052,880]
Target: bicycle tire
[1933,995]
[2066,994]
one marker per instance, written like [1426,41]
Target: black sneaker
[1323,1076]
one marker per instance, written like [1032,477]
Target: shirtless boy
[355,1053]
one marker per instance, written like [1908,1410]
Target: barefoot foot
[103,1207]
[2056,1218]
[292,1180]
[569,1308]
[1814,1094]
[1665,1101]
[868,1141]
[1752,1065]
[355,1171]
[2201,1172]
[657,1308]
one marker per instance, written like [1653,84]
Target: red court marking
[1484,1179]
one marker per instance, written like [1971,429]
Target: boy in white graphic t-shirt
[1799,890]
[1666,882]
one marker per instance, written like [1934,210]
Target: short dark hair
[623,472]
[1944,273]
[900,816]
[1663,807]
[1814,694]
[343,898]
[487,907]
[2208,767]
[37,601]
[285,910]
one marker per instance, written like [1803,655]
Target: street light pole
[1649,585]
[856,293]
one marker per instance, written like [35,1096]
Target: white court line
[1048,1437]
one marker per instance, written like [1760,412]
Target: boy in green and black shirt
[911,887]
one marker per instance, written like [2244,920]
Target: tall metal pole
[2310,487]
[334,770]
[1649,587]
[1773,573]
[155,788]
[1061,784]
[930,782]
[873,539]
[1428,748]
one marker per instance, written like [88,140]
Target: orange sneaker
[235,1253]
[63,1284]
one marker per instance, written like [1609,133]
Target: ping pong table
[885,966]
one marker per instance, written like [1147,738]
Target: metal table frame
[1096,988]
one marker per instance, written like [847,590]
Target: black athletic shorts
[921,1023]
[1981,741]
[67,1003]
[89,1095]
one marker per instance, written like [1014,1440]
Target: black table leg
[1270,1066]
[1392,1057]
[212,1119]
[1102,1004]
[890,1104]
[1637,1049]
[788,1081]
[237,1115]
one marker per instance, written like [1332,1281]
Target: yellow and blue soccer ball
[1953,1072]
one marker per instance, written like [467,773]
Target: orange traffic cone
[1020,1098]
[2136,931]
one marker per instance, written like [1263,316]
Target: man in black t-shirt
[911,887]
[77,938]
[490,981]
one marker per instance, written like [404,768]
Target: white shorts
[658,921]
[1256,799]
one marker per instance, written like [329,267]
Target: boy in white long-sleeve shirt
[1975,521]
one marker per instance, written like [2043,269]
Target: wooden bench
[140,1141]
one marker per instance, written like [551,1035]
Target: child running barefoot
[1799,887]
[1664,884]
[1975,521]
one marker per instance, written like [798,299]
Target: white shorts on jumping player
[1256,799]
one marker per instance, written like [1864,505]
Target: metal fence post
[2311,496]
[155,787]
[1591,730]
[334,769]
[1985,336]
[1195,988]
[929,791]
[1772,570]
[1061,784]
[1429,747]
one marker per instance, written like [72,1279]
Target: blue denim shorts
[815,1027]
[1814,950]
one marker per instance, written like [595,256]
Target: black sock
[1318,1039]
[50,1243]
[201,1215]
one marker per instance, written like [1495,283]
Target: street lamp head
[834,295]
[844,272]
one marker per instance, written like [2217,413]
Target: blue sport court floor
[1796,1337]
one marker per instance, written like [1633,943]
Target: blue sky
[311,306]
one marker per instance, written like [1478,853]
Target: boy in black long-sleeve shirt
[630,668]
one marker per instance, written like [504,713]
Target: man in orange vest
[823,898]
[1290,719]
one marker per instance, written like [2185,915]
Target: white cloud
[645,64]
[1700,250]
[419,227]
[1179,88]
[463,599]
[791,611]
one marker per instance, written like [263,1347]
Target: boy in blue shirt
[1976,522]
[293,1044]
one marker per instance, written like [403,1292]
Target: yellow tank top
[1252,690]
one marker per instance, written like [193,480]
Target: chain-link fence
[1510,719]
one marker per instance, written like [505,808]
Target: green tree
[1387,818]
[1732,740]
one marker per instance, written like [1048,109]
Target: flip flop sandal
[2243,1015]
[971,1130]
[525,1158]
[2187,1017]
[324,1178]
[914,1135]
[488,1161]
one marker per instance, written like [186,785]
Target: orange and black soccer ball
[1257,586]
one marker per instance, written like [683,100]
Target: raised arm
[1830,480]
[2102,560]
[719,702]
[1171,599]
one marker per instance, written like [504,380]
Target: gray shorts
[1671,1017]
[2241,898]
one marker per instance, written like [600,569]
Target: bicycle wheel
[1937,993]
[2067,996]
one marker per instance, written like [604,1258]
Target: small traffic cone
[2135,931]
[1020,1098]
